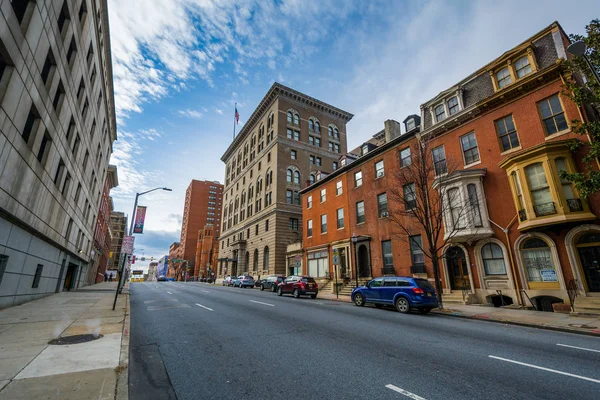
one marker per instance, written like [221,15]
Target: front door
[70,277]
[457,269]
[590,263]
[373,292]
[364,266]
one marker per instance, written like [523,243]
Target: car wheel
[262,288]
[313,296]
[402,305]
[379,305]
[359,300]
[279,292]
[424,310]
[296,293]
[273,288]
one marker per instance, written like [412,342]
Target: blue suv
[404,293]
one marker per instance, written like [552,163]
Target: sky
[179,66]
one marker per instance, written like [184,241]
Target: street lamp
[354,240]
[578,49]
[137,195]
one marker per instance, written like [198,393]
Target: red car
[299,286]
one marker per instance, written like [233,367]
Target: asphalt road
[200,341]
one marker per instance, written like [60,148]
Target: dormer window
[440,113]
[503,77]
[365,149]
[410,124]
[523,66]
[453,106]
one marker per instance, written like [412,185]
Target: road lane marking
[579,348]
[547,369]
[260,302]
[200,305]
[404,392]
[169,292]
[205,291]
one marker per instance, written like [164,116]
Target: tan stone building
[287,141]
[57,127]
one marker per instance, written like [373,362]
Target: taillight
[418,290]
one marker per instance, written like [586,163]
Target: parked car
[162,278]
[271,282]
[244,281]
[299,286]
[228,281]
[404,293]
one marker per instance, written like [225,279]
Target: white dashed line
[578,348]
[200,305]
[260,302]
[205,291]
[404,392]
[585,378]
[169,292]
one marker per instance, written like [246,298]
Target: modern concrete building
[118,229]
[57,126]
[286,142]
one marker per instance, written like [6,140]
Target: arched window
[270,177]
[297,177]
[237,202]
[271,120]
[289,176]
[311,179]
[317,127]
[311,125]
[537,258]
[266,259]
[493,259]
[250,192]
[289,117]
[336,133]
[296,119]
[255,263]
[330,131]
[258,185]
[243,198]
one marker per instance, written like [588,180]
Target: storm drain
[75,339]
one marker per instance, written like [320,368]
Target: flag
[237,116]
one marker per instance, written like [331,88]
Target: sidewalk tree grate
[75,339]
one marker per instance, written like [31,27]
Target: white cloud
[190,113]
[219,111]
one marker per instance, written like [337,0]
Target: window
[388,257]
[365,149]
[290,133]
[340,218]
[323,195]
[297,198]
[507,134]
[416,250]
[294,155]
[379,171]
[21,8]
[296,135]
[536,258]
[59,172]
[540,190]
[82,12]
[311,179]
[311,125]
[66,184]
[44,148]
[296,177]
[338,188]
[358,179]
[330,146]
[360,212]
[3,264]
[255,230]
[296,119]
[440,113]
[49,67]
[469,147]
[474,205]
[335,165]
[382,205]
[289,176]
[567,189]
[319,161]
[410,125]
[439,160]
[289,196]
[317,142]
[522,66]
[405,159]
[31,124]
[293,224]
[552,115]
[85,159]
[266,225]
[311,140]
[269,157]
[58,97]
[456,214]
[37,276]
[453,106]
[317,127]
[309,228]
[493,259]
[63,17]
[324,223]
[503,77]
[312,160]
[330,131]
[410,196]
[71,52]
[309,202]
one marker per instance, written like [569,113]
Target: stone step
[587,310]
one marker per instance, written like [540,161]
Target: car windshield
[424,284]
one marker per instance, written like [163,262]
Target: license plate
[310,285]
[428,294]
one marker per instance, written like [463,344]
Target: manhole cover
[75,339]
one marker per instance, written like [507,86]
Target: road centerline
[169,292]
[585,378]
[404,392]
[578,348]
[200,305]
[205,291]
[260,302]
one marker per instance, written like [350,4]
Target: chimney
[392,130]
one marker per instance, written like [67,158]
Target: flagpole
[235,108]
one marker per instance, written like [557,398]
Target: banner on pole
[127,246]
[140,217]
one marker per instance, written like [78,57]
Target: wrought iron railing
[522,215]
[572,291]
[418,269]
[544,209]
[575,205]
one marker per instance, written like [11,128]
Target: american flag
[237,116]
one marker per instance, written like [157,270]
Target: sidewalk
[30,368]
[588,325]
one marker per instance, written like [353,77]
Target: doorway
[588,247]
[70,277]
[364,266]
[457,269]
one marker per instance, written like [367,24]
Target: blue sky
[180,65]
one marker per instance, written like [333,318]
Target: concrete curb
[122,371]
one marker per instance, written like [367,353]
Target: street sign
[127,247]
[336,257]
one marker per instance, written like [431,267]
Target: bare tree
[422,201]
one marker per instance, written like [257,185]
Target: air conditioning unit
[380,174]
[384,214]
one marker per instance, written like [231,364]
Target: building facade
[499,139]
[118,229]
[207,253]
[289,138]
[57,126]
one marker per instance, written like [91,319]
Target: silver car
[244,281]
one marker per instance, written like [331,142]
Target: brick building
[175,253]
[289,138]
[207,252]
[528,233]
[118,229]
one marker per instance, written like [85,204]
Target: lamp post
[354,240]
[578,49]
